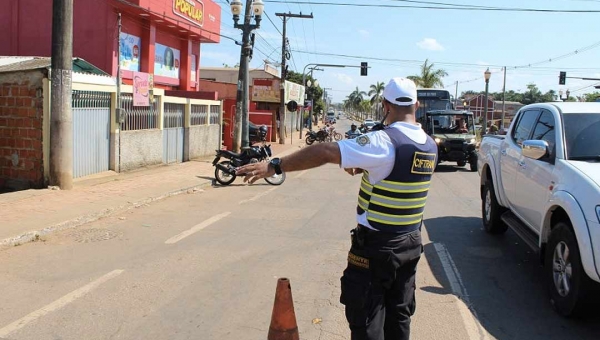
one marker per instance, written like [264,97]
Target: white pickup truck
[543,181]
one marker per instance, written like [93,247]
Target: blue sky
[464,43]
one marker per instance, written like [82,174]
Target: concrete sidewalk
[27,215]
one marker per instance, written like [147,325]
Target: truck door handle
[503,152]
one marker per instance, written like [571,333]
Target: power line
[451,8]
[272,23]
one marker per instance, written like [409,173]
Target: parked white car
[543,181]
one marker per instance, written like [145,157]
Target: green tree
[592,97]
[356,97]
[234,66]
[429,77]
[376,93]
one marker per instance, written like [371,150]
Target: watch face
[275,161]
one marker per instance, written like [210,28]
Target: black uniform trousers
[378,285]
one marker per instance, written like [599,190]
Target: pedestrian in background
[378,284]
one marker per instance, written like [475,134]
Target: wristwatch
[276,164]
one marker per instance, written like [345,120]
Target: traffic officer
[397,162]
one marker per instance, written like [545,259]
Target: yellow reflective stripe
[365,182]
[393,223]
[395,216]
[395,220]
[400,187]
[406,183]
[401,199]
[363,203]
[395,205]
[402,191]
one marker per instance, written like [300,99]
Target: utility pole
[284,56]
[504,98]
[456,95]
[61,118]
[241,135]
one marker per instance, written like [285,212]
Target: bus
[432,99]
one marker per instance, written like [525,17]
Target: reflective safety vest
[396,203]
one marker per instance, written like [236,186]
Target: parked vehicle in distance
[542,179]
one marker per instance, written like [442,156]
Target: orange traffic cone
[283,320]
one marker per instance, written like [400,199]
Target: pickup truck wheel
[491,211]
[461,163]
[567,282]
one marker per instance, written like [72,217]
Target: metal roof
[15,64]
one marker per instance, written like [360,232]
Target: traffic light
[562,78]
[363,68]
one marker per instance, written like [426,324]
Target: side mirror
[535,149]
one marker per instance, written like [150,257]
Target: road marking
[196,228]
[58,304]
[300,174]
[467,311]
[257,196]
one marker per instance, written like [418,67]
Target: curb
[32,236]
[35,235]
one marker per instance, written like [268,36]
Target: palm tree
[429,78]
[376,92]
[355,98]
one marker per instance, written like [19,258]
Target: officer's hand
[353,171]
[255,171]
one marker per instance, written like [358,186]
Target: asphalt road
[205,265]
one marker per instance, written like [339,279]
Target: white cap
[401,91]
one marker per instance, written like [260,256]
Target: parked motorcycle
[225,170]
[257,133]
[316,136]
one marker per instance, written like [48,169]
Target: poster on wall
[130,47]
[166,61]
[193,72]
[143,84]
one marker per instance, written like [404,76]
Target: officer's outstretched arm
[312,157]
[307,158]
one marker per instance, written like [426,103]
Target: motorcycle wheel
[309,140]
[222,177]
[276,179]
[337,136]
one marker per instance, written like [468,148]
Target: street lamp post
[560,93]
[487,76]
[304,77]
[253,7]
[309,84]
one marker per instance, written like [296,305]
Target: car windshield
[370,123]
[582,136]
[450,124]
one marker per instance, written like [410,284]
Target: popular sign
[190,10]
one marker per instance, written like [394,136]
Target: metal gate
[173,133]
[91,132]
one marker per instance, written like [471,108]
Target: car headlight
[598,212]
[437,140]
